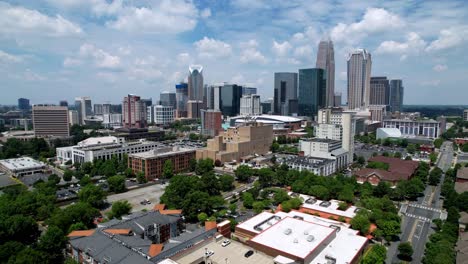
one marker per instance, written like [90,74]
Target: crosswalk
[425,207]
[422,218]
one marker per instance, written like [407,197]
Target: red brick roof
[155,249]
[462,173]
[210,225]
[398,169]
[81,233]
[118,231]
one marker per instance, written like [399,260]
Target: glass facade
[230,99]
[312,91]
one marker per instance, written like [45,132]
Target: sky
[53,50]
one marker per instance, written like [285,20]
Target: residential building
[150,117]
[326,61]
[50,121]
[112,120]
[379,91]
[377,112]
[151,163]
[250,105]
[194,109]
[396,95]
[84,108]
[267,107]
[398,170]
[168,99]
[20,167]
[302,238]
[181,99]
[163,114]
[285,93]
[103,148]
[428,128]
[337,102]
[23,104]
[238,143]
[211,122]
[248,90]
[98,109]
[359,73]
[465,115]
[316,165]
[312,91]
[134,112]
[321,148]
[106,109]
[195,83]
[73,117]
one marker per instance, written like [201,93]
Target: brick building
[462,175]
[398,170]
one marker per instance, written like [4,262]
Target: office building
[63,103]
[195,83]
[465,115]
[132,134]
[181,99]
[427,128]
[337,102]
[238,143]
[98,109]
[211,122]
[267,107]
[359,73]
[50,121]
[250,105]
[209,96]
[112,120]
[103,148]
[116,109]
[312,91]
[379,91]
[23,104]
[316,165]
[147,102]
[84,108]
[248,90]
[168,99]
[229,99]
[106,109]
[134,112]
[194,109]
[164,115]
[325,148]
[151,163]
[20,167]
[326,61]
[396,95]
[377,112]
[73,117]
[285,93]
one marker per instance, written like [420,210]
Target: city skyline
[65,51]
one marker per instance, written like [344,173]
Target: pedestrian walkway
[424,219]
[425,207]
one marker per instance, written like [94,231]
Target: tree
[265,176]
[141,177]
[226,182]
[85,180]
[9,249]
[77,226]
[168,170]
[29,256]
[258,207]
[204,166]
[280,196]
[376,254]
[390,229]
[438,142]
[361,160]
[243,173]
[19,228]
[202,217]
[192,164]
[405,251]
[275,146]
[75,213]
[361,222]
[52,243]
[116,183]
[129,173]
[67,175]
[210,183]
[247,199]
[92,194]
[397,155]
[320,192]
[408,158]
[54,179]
[411,148]
[382,189]
[120,208]
[233,208]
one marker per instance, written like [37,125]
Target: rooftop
[461,187]
[22,163]
[161,152]
[390,132]
[462,173]
[398,169]
[330,207]
[273,118]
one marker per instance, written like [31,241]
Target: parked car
[248,253]
[226,242]
[209,253]
[145,201]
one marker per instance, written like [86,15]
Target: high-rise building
[248,90]
[210,96]
[194,108]
[181,98]
[134,112]
[23,104]
[168,99]
[195,83]
[84,108]
[312,91]
[98,109]
[63,103]
[73,117]
[326,61]
[163,114]
[285,93]
[359,73]
[106,109]
[112,120]
[211,122]
[465,115]
[116,108]
[377,112]
[337,102]
[250,105]
[50,120]
[147,102]
[379,91]
[396,95]
[229,98]
[267,106]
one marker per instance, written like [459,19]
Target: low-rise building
[281,124]
[130,134]
[151,163]
[23,166]
[398,170]
[462,175]
[103,148]
[318,166]
[325,149]
[416,128]
[112,120]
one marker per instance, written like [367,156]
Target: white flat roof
[331,209]
[98,140]
[279,118]
[23,163]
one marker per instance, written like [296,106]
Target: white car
[209,253]
[226,242]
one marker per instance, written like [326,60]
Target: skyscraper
[181,98]
[396,95]
[379,91]
[312,91]
[248,90]
[98,109]
[50,120]
[250,105]
[84,108]
[326,61]
[23,104]
[359,73]
[134,112]
[285,93]
[337,100]
[229,99]
[168,99]
[195,83]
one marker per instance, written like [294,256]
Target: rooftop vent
[310,201]
[306,232]
[288,231]
[310,238]
[325,204]
[296,241]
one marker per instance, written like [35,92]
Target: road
[417,216]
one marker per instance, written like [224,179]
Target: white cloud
[374,20]
[165,17]
[9,58]
[252,55]
[440,67]
[184,58]
[16,19]
[281,49]
[29,75]
[305,51]
[413,45]
[238,79]
[249,44]
[100,58]
[71,62]
[430,83]
[125,50]
[449,38]
[212,48]
[205,13]
[343,76]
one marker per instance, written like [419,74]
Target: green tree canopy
[116,183]
[92,194]
[243,173]
[119,209]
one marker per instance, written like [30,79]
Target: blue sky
[59,49]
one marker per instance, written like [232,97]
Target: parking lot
[135,196]
[366,150]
